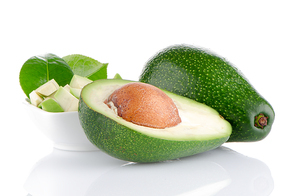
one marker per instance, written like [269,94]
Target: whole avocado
[207,78]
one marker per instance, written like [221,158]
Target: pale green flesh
[199,122]
[51,105]
[48,88]
[66,100]
[79,81]
[75,91]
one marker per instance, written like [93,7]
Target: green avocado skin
[207,78]
[124,143]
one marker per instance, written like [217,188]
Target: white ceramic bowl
[62,128]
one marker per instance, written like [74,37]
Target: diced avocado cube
[35,99]
[76,92]
[66,100]
[48,88]
[50,105]
[51,95]
[79,81]
[67,87]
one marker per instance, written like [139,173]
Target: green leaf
[38,70]
[117,76]
[100,73]
[87,67]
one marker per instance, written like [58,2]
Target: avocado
[48,88]
[75,91]
[201,128]
[35,99]
[207,78]
[67,87]
[50,105]
[54,98]
[66,100]
[79,81]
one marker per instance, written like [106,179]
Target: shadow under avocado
[220,172]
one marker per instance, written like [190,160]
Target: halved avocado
[201,129]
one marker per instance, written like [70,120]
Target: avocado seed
[145,105]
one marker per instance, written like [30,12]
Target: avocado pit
[145,105]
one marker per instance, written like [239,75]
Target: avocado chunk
[66,100]
[207,78]
[35,99]
[48,88]
[50,105]
[201,127]
[67,87]
[75,91]
[79,81]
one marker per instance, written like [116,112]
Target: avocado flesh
[66,100]
[50,105]
[67,87]
[79,81]
[201,128]
[207,78]
[48,88]
[35,98]
[75,91]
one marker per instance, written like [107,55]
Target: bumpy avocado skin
[207,78]
[124,143]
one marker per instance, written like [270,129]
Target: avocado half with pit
[200,128]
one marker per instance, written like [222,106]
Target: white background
[257,36]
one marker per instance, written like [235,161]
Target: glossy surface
[218,172]
[40,69]
[62,128]
[205,77]
[144,105]
[128,141]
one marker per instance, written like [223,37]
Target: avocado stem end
[261,121]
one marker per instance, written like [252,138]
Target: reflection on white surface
[220,172]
